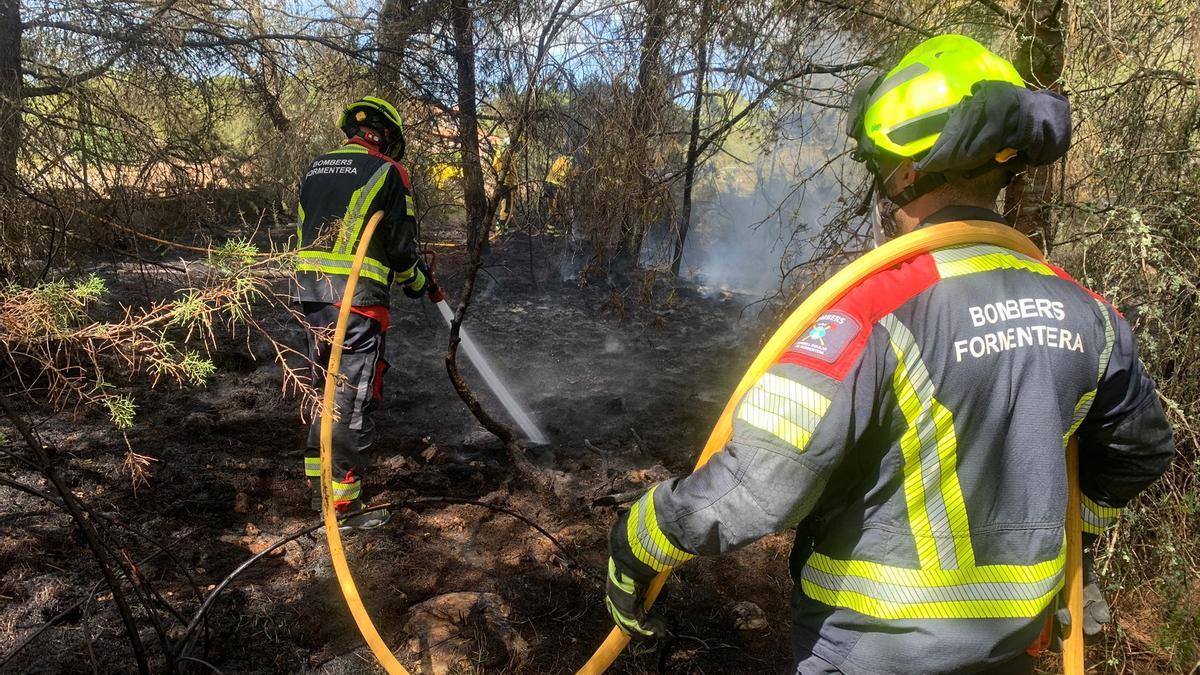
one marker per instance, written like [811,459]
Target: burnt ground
[626,390]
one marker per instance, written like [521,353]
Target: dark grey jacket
[338,194]
[915,436]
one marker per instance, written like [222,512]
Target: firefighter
[552,184]
[339,192]
[914,435]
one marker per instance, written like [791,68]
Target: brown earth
[626,391]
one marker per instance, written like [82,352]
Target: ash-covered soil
[625,384]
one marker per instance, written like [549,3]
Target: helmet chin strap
[877,219]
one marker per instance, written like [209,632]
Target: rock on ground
[463,632]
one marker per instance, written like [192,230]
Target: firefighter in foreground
[914,435]
[339,192]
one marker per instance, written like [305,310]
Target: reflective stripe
[356,213]
[351,149]
[1085,402]
[783,408]
[340,263]
[986,592]
[346,492]
[312,466]
[1096,517]
[299,225]
[647,540]
[937,511]
[922,126]
[962,260]
[910,72]
[409,205]
[407,274]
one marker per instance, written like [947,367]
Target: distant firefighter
[913,436]
[339,192]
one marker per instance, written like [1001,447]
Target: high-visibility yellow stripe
[1096,518]
[776,425]
[312,466]
[647,540]
[937,510]
[1085,402]
[339,263]
[784,408]
[351,149]
[299,225]
[407,274]
[409,205]
[360,203]
[347,491]
[886,592]
[962,260]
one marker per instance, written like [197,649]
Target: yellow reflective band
[312,467]
[783,408]
[360,202]
[962,260]
[350,149]
[1097,518]
[933,495]
[407,274]
[647,541]
[339,264]
[409,205]
[346,491]
[1085,402]
[774,424]
[299,225]
[885,592]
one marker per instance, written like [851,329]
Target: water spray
[532,433]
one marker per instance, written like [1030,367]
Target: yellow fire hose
[887,255]
[332,534]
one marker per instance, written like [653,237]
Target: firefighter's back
[950,552]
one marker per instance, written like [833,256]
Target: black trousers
[359,388]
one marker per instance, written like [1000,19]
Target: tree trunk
[266,77]
[395,27]
[475,199]
[689,171]
[1040,62]
[648,104]
[10,94]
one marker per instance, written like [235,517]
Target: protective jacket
[914,436]
[339,192]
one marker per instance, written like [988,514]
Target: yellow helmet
[363,107]
[373,111]
[903,112]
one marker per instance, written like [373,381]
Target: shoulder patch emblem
[828,337]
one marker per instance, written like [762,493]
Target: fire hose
[883,257]
[888,255]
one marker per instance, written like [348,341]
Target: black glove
[626,601]
[419,283]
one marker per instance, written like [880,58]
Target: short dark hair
[982,188]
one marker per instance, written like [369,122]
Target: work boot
[363,521]
[314,494]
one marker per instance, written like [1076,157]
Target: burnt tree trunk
[1040,63]
[689,170]
[475,199]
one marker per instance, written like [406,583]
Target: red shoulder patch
[822,348]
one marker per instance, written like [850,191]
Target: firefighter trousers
[358,393]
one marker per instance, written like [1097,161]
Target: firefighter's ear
[900,178]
